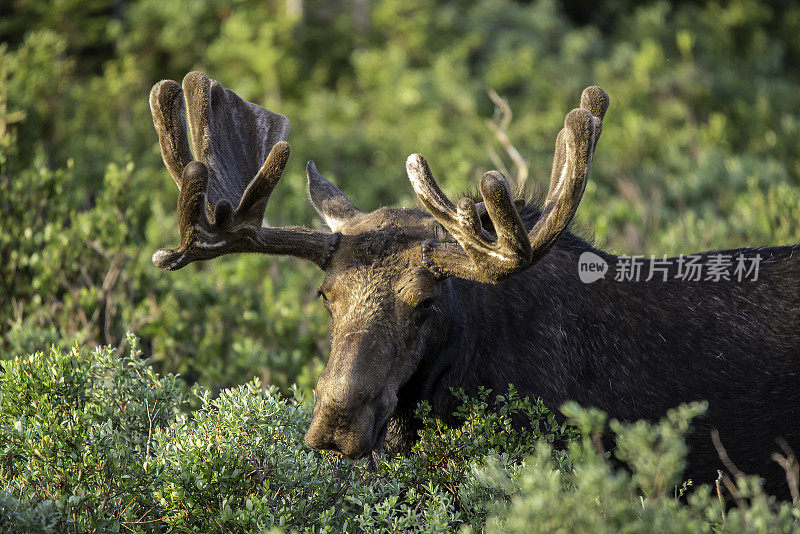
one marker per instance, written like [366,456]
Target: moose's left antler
[488,260]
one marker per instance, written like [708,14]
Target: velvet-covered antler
[484,259]
[239,156]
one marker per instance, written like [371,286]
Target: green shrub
[93,442]
[96,442]
[594,498]
[76,439]
[699,147]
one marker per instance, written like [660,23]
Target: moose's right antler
[239,156]
[488,260]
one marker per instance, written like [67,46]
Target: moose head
[388,274]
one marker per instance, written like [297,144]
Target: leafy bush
[76,439]
[94,442]
[645,498]
[698,151]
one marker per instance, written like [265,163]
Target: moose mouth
[377,447]
[379,430]
[354,434]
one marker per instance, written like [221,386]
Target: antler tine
[256,194]
[574,151]
[483,259]
[231,137]
[596,101]
[486,260]
[428,191]
[511,235]
[576,143]
[169,118]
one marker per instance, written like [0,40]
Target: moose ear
[328,200]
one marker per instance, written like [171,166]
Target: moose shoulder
[489,291]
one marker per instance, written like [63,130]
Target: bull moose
[487,292]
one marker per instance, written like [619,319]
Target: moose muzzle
[354,399]
[352,433]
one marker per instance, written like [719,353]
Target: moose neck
[608,343]
[518,332]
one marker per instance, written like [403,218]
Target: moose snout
[350,414]
[352,435]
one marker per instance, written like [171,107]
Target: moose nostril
[318,439]
[353,439]
[352,445]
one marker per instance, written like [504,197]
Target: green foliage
[595,498]
[76,432]
[240,461]
[94,442]
[699,147]
[440,471]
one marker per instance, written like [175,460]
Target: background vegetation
[700,147]
[700,150]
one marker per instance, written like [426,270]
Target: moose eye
[422,311]
[325,302]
